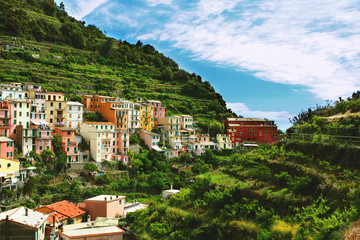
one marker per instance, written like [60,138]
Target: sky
[267,58]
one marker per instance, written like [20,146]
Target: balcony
[60,116]
[4,125]
[71,143]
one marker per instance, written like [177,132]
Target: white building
[74,114]
[102,138]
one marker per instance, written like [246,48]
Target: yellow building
[224,141]
[9,170]
[55,109]
[146,116]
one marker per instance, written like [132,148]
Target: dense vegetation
[48,47]
[270,193]
[341,118]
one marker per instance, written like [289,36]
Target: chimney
[92,224]
[171,187]
[133,201]
[110,197]
[117,196]
[74,220]
[89,218]
[54,220]
[26,212]
[105,199]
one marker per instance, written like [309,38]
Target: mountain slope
[48,47]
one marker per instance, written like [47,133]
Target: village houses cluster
[30,117]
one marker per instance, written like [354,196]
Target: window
[51,104]
[68,133]
[51,112]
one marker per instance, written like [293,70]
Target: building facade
[255,130]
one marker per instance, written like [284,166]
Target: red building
[251,130]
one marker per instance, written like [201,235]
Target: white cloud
[81,8]
[281,118]
[154,3]
[315,44]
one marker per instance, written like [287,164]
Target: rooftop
[25,216]
[108,198]
[5,139]
[87,232]
[74,104]
[66,208]
[247,119]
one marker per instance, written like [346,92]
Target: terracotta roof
[66,208]
[100,123]
[58,217]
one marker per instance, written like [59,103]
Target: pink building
[151,139]
[109,206]
[6,148]
[159,112]
[5,123]
[38,106]
[68,144]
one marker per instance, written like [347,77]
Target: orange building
[92,103]
[68,144]
[117,113]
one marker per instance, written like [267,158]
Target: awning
[157,149]
[39,122]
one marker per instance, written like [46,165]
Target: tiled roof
[30,218]
[58,217]
[66,208]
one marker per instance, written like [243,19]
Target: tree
[46,155]
[49,7]
[30,186]
[90,166]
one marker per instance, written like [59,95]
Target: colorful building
[36,138]
[6,148]
[255,130]
[9,170]
[117,113]
[68,144]
[55,109]
[224,141]
[159,111]
[109,206]
[92,103]
[105,142]
[187,121]
[73,213]
[151,139]
[146,116]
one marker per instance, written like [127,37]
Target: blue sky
[268,58]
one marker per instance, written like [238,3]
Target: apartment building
[68,144]
[6,148]
[117,112]
[92,103]
[74,114]
[55,109]
[105,142]
[146,116]
[187,121]
[256,130]
[224,141]
[159,111]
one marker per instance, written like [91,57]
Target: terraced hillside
[40,43]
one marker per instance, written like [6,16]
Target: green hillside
[42,44]
[341,118]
